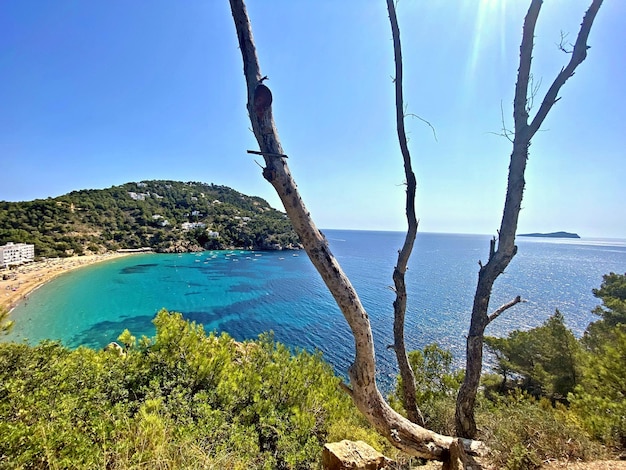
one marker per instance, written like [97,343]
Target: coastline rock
[181,246]
[185,246]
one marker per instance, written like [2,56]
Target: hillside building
[16,253]
[192,225]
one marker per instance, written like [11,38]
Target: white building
[16,253]
[192,225]
[138,196]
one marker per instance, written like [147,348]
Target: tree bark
[501,256]
[405,435]
[399,305]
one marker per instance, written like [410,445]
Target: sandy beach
[18,282]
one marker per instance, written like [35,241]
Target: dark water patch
[242,307]
[245,287]
[179,266]
[195,284]
[228,270]
[203,316]
[295,289]
[250,328]
[138,268]
[102,333]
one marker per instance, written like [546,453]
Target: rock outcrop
[350,455]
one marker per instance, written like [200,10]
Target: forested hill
[168,216]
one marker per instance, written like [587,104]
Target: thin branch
[520,114]
[267,154]
[505,131]
[346,388]
[561,44]
[424,120]
[505,307]
[579,54]
[534,90]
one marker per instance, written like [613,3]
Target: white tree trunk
[401,432]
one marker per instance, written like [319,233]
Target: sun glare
[489,26]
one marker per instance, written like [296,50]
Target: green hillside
[167,216]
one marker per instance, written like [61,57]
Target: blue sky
[99,93]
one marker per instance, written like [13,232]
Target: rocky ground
[559,465]
[596,465]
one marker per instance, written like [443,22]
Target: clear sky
[102,92]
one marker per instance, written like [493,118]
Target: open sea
[246,293]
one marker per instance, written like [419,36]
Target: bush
[181,399]
[600,399]
[541,361]
[437,385]
[524,432]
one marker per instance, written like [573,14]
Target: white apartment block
[16,253]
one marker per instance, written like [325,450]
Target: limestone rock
[350,455]
[113,346]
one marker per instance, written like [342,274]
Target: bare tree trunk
[503,249]
[399,305]
[402,433]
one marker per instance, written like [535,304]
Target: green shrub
[541,361]
[600,399]
[524,432]
[437,385]
[183,399]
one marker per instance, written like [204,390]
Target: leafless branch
[561,44]
[346,388]
[427,122]
[505,132]
[505,307]
[579,54]
[267,154]
[534,90]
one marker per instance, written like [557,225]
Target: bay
[247,293]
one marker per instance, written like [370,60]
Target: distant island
[551,235]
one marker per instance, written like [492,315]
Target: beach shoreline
[22,280]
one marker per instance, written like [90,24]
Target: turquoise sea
[247,293]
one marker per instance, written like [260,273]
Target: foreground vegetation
[183,399]
[553,397]
[187,399]
[163,215]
